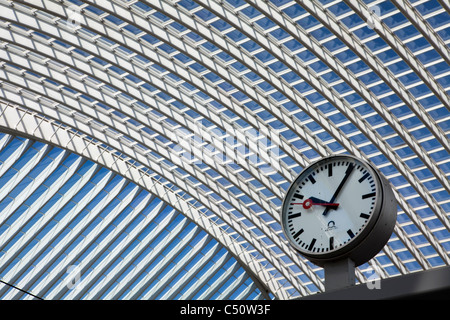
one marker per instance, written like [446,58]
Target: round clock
[339,207]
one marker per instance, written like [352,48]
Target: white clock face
[329,205]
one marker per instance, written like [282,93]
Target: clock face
[331,206]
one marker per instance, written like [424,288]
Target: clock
[339,207]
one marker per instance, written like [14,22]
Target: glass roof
[147,139]
[80,213]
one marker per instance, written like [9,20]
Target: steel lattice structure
[146,146]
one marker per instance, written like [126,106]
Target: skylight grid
[101,237]
[233,66]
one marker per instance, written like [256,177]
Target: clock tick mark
[295,215]
[364,216]
[311,245]
[364,177]
[368,195]
[298,196]
[298,233]
[350,233]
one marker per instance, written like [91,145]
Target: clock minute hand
[347,174]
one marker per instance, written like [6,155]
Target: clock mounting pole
[339,274]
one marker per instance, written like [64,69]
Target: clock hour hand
[321,202]
[347,174]
[313,201]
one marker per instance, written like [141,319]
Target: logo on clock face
[331,226]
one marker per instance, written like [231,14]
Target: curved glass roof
[147,145]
